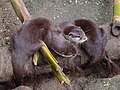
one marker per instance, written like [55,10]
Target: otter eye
[70,34]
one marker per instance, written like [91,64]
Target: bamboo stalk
[20,10]
[54,65]
[35,58]
[116,18]
[47,54]
[23,14]
[61,77]
[116,9]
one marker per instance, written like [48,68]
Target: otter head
[74,34]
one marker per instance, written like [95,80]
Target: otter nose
[84,38]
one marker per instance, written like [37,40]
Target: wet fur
[24,43]
[27,40]
[95,45]
[57,42]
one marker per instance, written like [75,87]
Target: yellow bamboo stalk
[20,10]
[54,65]
[116,9]
[116,19]
[47,54]
[35,58]
[61,77]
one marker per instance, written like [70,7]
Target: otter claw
[35,58]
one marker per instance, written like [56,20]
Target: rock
[6,70]
[83,84]
[104,84]
[113,43]
[53,84]
[23,88]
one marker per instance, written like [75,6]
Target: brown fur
[27,40]
[76,36]
[57,42]
[95,45]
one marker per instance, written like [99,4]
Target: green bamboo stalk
[20,10]
[23,14]
[116,10]
[55,67]
[47,54]
[61,77]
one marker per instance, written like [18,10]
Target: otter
[89,36]
[86,35]
[76,36]
[95,45]
[27,40]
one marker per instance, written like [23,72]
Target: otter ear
[102,32]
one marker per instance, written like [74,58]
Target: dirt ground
[99,11]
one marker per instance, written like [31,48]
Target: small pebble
[97,3]
[98,14]
[7,38]
[58,16]
[17,18]
[70,1]
[107,84]
[54,18]
[96,19]
[106,13]
[1,30]
[76,1]
[64,4]
[86,1]
[60,12]
[5,9]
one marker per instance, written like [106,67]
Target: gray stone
[23,88]
[104,84]
[6,70]
[113,43]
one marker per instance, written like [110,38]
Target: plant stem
[35,58]
[116,9]
[20,10]
[54,65]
